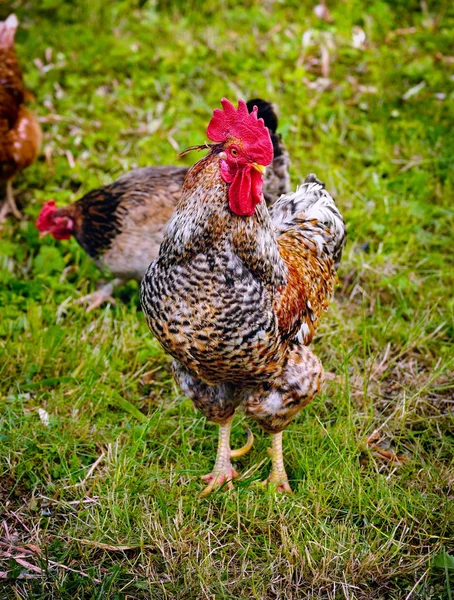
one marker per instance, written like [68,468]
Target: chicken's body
[20,134]
[121,225]
[235,300]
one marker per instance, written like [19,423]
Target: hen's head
[246,151]
[50,221]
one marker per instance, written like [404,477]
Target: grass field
[100,454]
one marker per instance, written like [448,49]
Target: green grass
[103,501]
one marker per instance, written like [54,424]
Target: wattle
[245,191]
[61,235]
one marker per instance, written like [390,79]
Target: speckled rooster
[237,291]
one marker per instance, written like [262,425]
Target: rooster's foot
[223,472]
[279,481]
[218,478]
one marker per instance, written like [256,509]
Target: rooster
[20,134]
[121,225]
[237,291]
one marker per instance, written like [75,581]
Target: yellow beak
[260,168]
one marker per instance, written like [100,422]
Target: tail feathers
[312,207]
[7,31]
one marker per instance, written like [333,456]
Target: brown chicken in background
[121,225]
[20,134]
[237,291]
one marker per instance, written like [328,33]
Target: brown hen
[121,225]
[20,134]
[237,291]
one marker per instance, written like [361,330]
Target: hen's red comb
[44,220]
[241,124]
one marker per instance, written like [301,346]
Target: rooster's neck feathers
[203,221]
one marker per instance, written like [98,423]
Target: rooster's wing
[311,236]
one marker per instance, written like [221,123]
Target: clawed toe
[103,294]
[7,209]
[214,485]
[281,485]
[216,479]
[95,300]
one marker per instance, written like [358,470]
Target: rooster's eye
[234,151]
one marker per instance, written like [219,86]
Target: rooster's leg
[276,406]
[278,476]
[10,204]
[223,470]
[103,294]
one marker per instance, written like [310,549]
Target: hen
[237,292]
[121,225]
[20,134]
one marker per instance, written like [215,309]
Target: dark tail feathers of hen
[266,112]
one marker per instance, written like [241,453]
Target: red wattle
[245,191]
[256,187]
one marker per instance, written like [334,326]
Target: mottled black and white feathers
[312,206]
[231,298]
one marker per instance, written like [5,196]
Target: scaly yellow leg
[223,470]
[278,475]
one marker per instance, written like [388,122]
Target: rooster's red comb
[240,123]
[44,219]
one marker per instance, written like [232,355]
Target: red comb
[241,124]
[43,220]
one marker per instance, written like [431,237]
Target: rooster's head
[246,150]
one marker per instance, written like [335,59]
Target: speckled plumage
[229,297]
